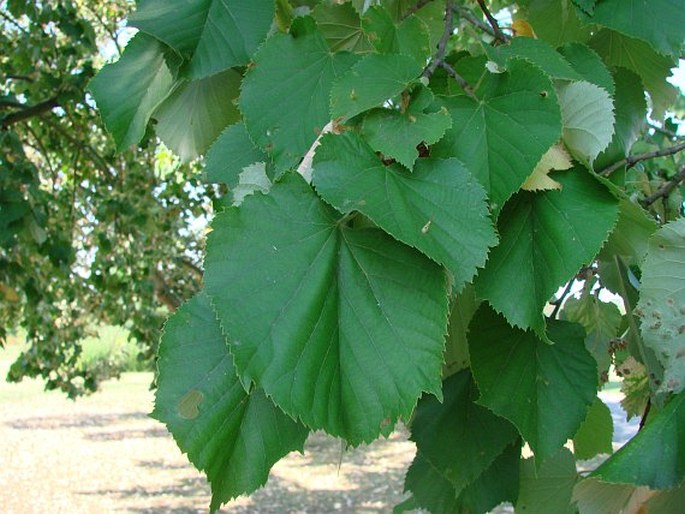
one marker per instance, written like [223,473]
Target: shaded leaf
[342,327]
[230,154]
[464,306]
[502,136]
[589,65]
[194,115]
[655,457]
[537,51]
[662,302]
[409,37]
[593,496]
[372,81]
[341,25]
[544,240]
[233,435]
[458,437]
[548,486]
[128,91]
[286,129]
[555,21]
[544,389]
[596,433]
[439,208]
[213,34]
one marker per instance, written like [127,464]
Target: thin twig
[468,15]
[44,152]
[29,112]
[460,80]
[666,132]
[666,189]
[645,414]
[632,160]
[442,44]
[416,7]
[560,301]
[14,22]
[499,35]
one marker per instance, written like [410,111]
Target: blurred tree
[87,236]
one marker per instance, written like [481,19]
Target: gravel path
[103,454]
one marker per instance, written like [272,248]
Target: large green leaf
[661,23]
[596,433]
[631,112]
[439,208]
[545,238]
[555,21]
[662,302]
[544,389]
[128,91]
[343,328]
[588,65]
[194,115]
[433,491]
[409,37]
[503,135]
[233,435]
[341,25]
[595,497]
[655,457]
[548,486]
[631,235]
[638,56]
[372,81]
[285,109]
[213,34]
[459,437]
[229,154]
[397,133]
[538,52]
[588,114]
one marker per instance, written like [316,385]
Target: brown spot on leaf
[188,405]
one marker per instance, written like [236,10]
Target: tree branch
[632,160]
[442,44]
[28,112]
[499,35]
[466,13]
[460,80]
[666,132]
[666,189]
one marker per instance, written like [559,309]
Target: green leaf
[194,115]
[372,81]
[342,327]
[458,437]
[588,114]
[213,34]
[464,306]
[595,497]
[667,502]
[230,154]
[596,433]
[128,91]
[341,26]
[397,134]
[544,239]
[544,389]
[548,486]
[233,435]
[555,21]
[635,55]
[588,65]
[439,208]
[538,52]
[502,136]
[660,23]
[631,234]
[409,37]
[433,491]
[662,302]
[285,110]
[601,322]
[631,111]
[655,457]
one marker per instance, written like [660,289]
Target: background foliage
[412,191]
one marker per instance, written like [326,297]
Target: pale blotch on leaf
[556,158]
[188,405]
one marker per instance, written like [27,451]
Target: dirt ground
[103,454]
